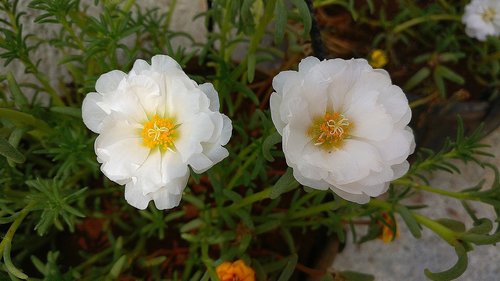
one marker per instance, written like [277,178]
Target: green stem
[458,195]
[72,33]
[444,232]
[13,227]
[224,29]
[170,12]
[315,209]
[402,27]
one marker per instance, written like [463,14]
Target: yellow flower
[235,271]
[390,229]
[377,58]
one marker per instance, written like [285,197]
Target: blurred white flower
[153,123]
[344,126]
[482,19]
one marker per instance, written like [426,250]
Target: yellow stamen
[159,132]
[329,131]
[489,15]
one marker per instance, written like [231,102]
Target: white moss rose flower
[344,126]
[152,123]
[482,19]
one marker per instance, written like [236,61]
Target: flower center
[329,131]
[159,132]
[489,15]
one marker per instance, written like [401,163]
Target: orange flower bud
[235,271]
[388,227]
[377,58]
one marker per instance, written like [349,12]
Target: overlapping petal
[121,109]
[377,140]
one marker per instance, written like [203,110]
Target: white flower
[343,126]
[152,123]
[482,19]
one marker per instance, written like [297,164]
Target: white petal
[313,183]
[172,167]
[140,66]
[396,104]
[369,83]
[216,153]
[353,162]
[164,199]
[92,114]
[400,169]
[148,176]
[345,77]
[212,95]
[135,99]
[370,120]
[182,102]
[294,142]
[108,82]
[275,104]
[193,132]
[227,130]
[135,196]
[310,163]
[200,163]
[396,148]
[356,198]
[314,90]
[121,151]
[376,190]
[306,64]
[164,64]
[283,78]
[374,178]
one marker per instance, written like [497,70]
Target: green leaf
[194,224]
[417,78]
[356,276]
[289,268]
[455,271]
[197,202]
[305,15]
[269,143]
[67,110]
[480,239]
[482,226]
[450,74]
[454,225]
[438,80]
[251,66]
[19,99]
[21,118]
[285,183]
[117,267]
[280,15]
[10,152]
[410,221]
